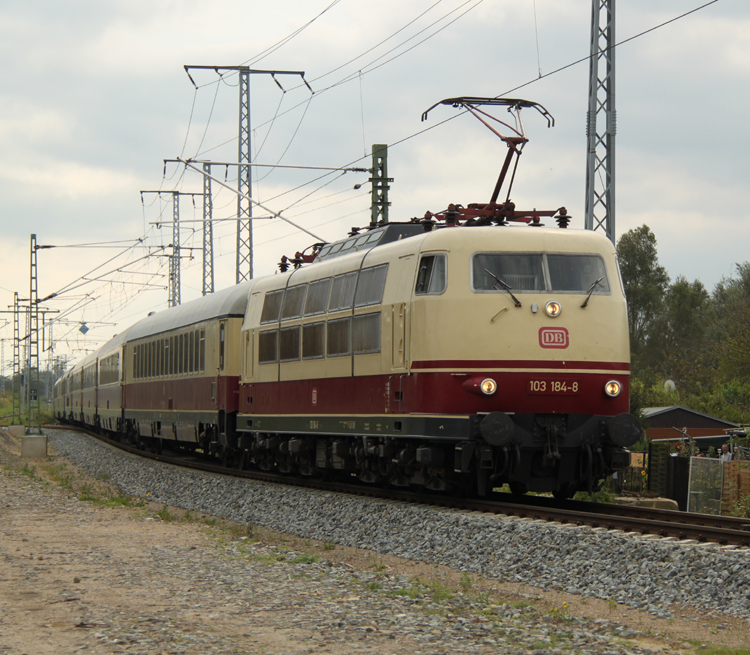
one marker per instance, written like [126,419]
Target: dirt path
[79,576]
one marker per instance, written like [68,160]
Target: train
[405,360]
[458,352]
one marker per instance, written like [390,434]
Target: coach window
[222,329]
[185,353]
[289,344]
[142,359]
[431,277]
[366,334]
[197,350]
[370,286]
[342,294]
[313,340]
[294,299]
[203,350]
[271,306]
[317,297]
[161,357]
[267,346]
[180,353]
[339,337]
[191,352]
[135,362]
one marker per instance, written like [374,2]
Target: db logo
[553,337]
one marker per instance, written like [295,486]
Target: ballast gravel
[640,572]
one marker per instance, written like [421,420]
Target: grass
[604,495]
[439,592]
[6,409]
[165,515]
[29,470]
[60,474]
[304,558]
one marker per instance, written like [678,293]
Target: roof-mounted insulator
[451,215]
[427,222]
[562,218]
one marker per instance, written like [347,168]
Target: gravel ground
[80,577]
[640,572]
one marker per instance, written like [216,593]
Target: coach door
[400,309]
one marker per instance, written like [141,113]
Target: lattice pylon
[244,262]
[208,233]
[601,122]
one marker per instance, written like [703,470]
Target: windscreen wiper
[591,290]
[505,286]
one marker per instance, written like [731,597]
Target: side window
[197,350]
[366,334]
[294,299]
[342,294]
[271,306]
[317,297]
[222,336]
[339,337]
[370,286]
[267,346]
[203,350]
[431,277]
[313,340]
[289,344]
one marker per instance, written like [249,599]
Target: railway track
[660,523]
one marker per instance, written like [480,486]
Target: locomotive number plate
[548,387]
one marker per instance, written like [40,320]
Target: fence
[736,484]
[705,485]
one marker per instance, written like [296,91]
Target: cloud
[67,179]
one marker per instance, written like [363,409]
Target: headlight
[488,386]
[612,388]
[553,308]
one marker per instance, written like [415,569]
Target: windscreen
[536,272]
[521,272]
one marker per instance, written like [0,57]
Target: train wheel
[518,488]
[565,491]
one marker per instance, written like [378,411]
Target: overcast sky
[94,98]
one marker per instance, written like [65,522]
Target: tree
[645,283]
[678,345]
[732,327]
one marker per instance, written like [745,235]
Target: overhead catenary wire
[560,69]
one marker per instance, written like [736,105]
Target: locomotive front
[524,331]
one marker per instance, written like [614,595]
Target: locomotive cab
[524,330]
